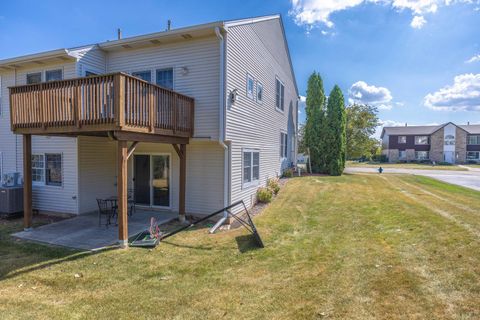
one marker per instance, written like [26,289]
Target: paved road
[469,179]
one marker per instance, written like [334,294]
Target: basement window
[251,168]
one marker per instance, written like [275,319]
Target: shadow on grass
[246,243]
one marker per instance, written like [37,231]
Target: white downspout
[221,133]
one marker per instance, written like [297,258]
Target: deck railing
[101,103]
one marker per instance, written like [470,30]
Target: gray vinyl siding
[201,57]
[97,171]
[46,198]
[90,59]
[259,50]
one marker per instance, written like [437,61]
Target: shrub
[380,158]
[443,163]
[264,195]
[287,173]
[273,185]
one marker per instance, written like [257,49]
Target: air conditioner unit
[11,200]
[11,179]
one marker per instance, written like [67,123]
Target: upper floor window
[283,144]
[251,167]
[449,140]
[53,75]
[259,92]
[250,85]
[33,78]
[421,139]
[165,78]
[402,139]
[473,140]
[90,74]
[279,95]
[144,75]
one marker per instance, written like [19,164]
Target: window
[165,78]
[38,168]
[33,78]
[53,169]
[421,139]
[283,145]
[251,167]
[250,84]
[473,155]
[473,140]
[421,155]
[402,155]
[402,139]
[53,75]
[449,140]
[1,167]
[279,95]
[259,92]
[144,75]
[90,74]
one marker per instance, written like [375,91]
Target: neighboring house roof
[409,130]
[145,40]
[427,130]
[471,128]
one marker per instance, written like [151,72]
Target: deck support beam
[182,154]
[122,157]
[27,182]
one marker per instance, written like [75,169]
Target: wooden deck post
[183,180]
[122,192]
[27,181]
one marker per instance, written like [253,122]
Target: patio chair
[131,202]
[105,208]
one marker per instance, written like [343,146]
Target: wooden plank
[146,137]
[132,148]
[122,193]
[183,182]
[27,181]
[177,149]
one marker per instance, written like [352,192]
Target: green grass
[404,166]
[350,247]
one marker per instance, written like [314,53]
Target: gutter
[221,131]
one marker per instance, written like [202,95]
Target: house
[188,120]
[448,142]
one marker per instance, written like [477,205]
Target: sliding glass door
[152,180]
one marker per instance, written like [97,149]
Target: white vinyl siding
[202,59]
[91,60]
[45,198]
[258,49]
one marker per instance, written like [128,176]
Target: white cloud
[473,59]
[361,92]
[310,13]
[463,95]
[418,22]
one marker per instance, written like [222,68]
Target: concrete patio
[84,233]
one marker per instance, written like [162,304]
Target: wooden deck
[100,104]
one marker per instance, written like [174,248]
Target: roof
[471,128]
[36,59]
[427,130]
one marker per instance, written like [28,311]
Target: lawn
[425,166]
[350,247]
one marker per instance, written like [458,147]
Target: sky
[418,62]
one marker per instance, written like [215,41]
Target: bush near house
[264,195]
[287,173]
[273,185]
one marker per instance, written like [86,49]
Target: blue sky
[418,61]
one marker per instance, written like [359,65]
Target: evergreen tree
[315,112]
[336,132]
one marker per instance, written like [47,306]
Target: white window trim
[263,92]
[398,140]
[252,183]
[283,84]
[421,144]
[1,167]
[44,182]
[252,95]
[477,138]
[421,159]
